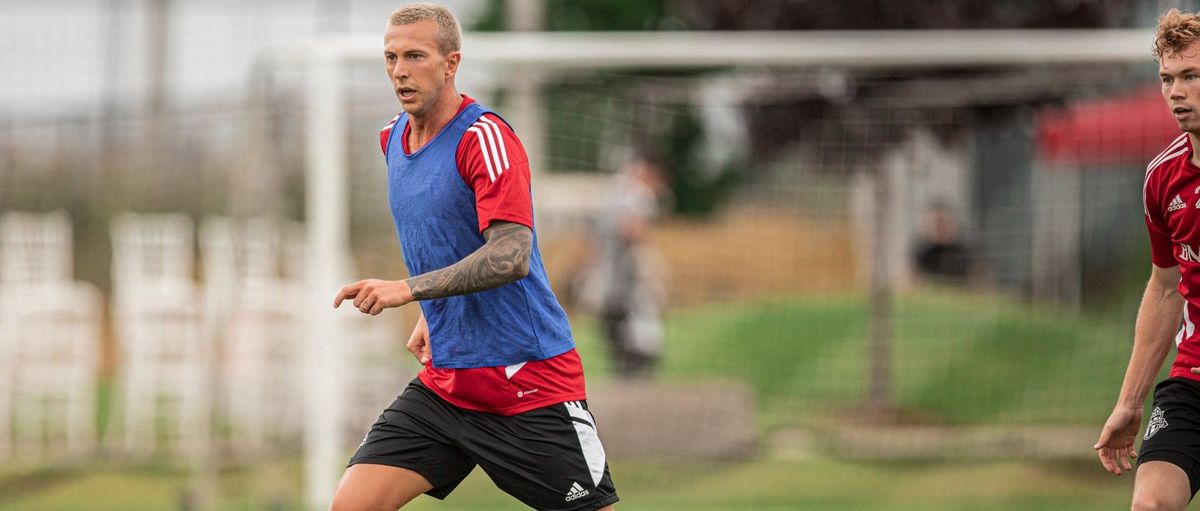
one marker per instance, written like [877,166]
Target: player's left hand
[1196,370]
[418,343]
[371,296]
[1115,446]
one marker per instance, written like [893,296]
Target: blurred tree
[816,15]
[900,14]
[584,15]
[696,191]
[697,194]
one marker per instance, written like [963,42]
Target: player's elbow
[521,267]
[522,252]
[509,247]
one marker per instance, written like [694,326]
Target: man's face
[1179,73]
[417,68]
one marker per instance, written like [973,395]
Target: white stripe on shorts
[589,441]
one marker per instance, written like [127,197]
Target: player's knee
[345,501]
[365,498]
[343,504]
[351,505]
[1149,502]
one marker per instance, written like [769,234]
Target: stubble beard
[428,97]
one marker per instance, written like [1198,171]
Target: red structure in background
[1128,129]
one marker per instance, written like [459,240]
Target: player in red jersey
[493,164]
[1168,467]
[502,386]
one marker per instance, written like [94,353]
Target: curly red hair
[1176,30]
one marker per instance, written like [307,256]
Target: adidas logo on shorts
[576,492]
[1157,423]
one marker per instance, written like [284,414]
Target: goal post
[328,235]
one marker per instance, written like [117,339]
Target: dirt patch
[745,252]
[689,421]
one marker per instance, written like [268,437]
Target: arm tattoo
[503,258]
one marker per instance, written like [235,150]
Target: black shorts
[549,458]
[1173,428]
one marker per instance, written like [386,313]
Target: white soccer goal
[494,60]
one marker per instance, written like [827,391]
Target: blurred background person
[623,279]
[941,253]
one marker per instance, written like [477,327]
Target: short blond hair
[449,32]
[1176,30]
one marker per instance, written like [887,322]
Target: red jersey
[1171,196]
[493,164]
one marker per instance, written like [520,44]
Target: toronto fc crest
[1157,422]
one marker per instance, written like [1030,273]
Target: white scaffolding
[49,341]
[162,355]
[253,317]
[54,355]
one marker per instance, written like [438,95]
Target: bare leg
[1161,486]
[366,487]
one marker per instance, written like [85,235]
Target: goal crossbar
[849,48]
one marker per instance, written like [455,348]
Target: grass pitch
[770,485]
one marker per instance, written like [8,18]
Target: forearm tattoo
[503,258]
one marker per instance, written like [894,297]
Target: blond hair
[1176,30]
[449,33]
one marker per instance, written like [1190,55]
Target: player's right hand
[418,343]
[1115,446]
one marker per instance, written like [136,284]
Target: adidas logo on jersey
[576,492]
[1176,204]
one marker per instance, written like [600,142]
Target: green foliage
[603,15]
[584,15]
[696,191]
[582,121]
[577,120]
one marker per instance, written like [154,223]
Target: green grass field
[957,358]
[759,486]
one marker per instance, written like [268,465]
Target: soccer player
[502,385]
[1168,471]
